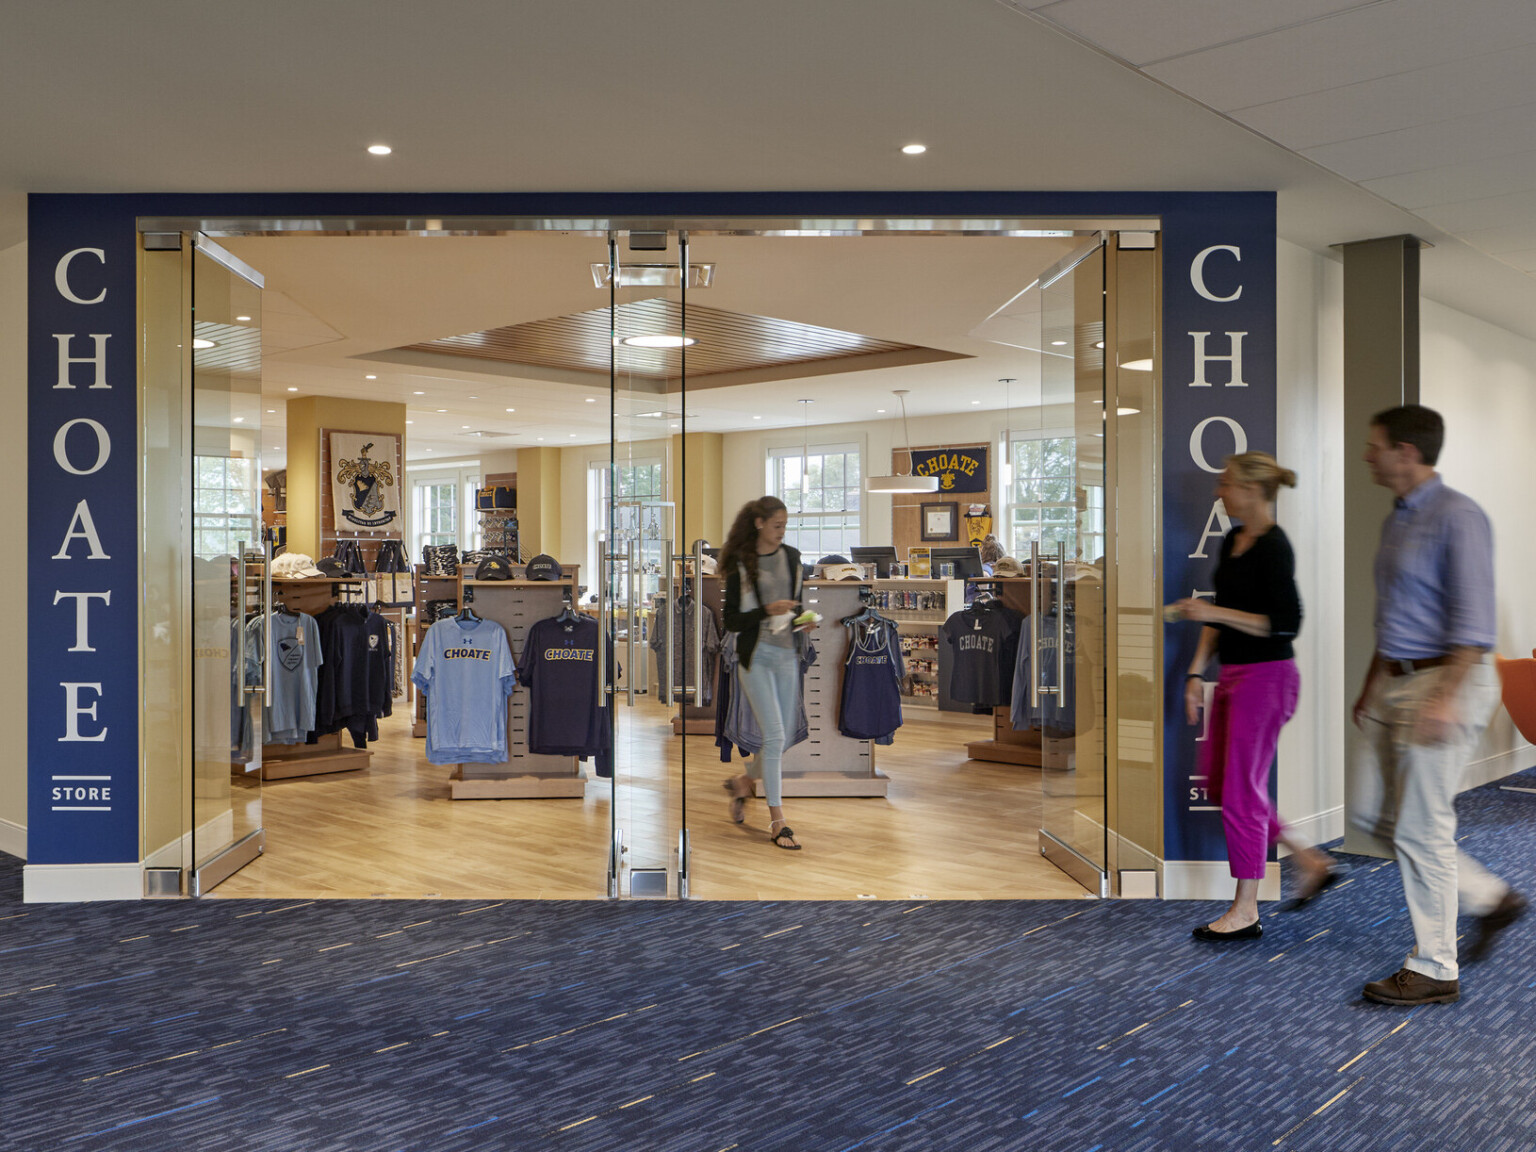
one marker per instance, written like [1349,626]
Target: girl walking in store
[762,598]
[1249,627]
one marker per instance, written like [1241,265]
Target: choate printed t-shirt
[985,645]
[465,669]
[559,665]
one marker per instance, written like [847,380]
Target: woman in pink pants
[1249,625]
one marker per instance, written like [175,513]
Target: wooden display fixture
[285,761]
[517,605]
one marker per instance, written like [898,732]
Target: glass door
[1065,630]
[648,593]
[230,579]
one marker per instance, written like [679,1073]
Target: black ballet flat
[1210,935]
[1299,901]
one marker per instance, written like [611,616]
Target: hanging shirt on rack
[1056,715]
[354,679]
[870,706]
[678,621]
[738,729]
[984,639]
[559,665]
[466,673]
[288,712]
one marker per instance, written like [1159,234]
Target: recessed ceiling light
[879,409]
[659,340]
[271,411]
[975,401]
[200,343]
[293,389]
[674,425]
[239,419]
[914,149]
[511,409]
[757,417]
[370,377]
[590,400]
[463,425]
[427,449]
[573,435]
[538,437]
[379,149]
[1100,344]
[442,409]
[1058,343]
[242,318]
[418,393]
[410,421]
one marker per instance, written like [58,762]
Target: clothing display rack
[692,719]
[1029,748]
[517,605]
[311,595]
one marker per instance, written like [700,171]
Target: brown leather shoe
[1505,913]
[1408,988]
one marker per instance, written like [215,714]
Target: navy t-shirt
[559,666]
[984,643]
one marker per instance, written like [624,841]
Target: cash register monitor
[881,557]
[967,562]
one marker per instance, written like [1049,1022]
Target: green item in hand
[807,617]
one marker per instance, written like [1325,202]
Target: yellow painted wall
[538,501]
[701,492]
[306,417]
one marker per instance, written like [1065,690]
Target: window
[1042,500]
[225,506]
[823,499]
[443,508]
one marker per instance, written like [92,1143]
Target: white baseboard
[1498,766]
[1319,828]
[13,838]
[72,883]
[1211,880]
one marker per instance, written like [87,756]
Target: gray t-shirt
[294,676]
[773,581]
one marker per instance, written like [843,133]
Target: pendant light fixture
[805,451]
[909,482]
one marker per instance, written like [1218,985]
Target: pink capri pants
[1251,704]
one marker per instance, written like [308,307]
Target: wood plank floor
[951,828]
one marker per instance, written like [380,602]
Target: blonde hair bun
[1262,469]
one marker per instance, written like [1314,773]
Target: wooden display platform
[463,787]
[286,761]
[826,784]
[696,726]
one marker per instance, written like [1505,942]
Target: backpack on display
[350,556]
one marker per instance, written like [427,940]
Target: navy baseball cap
[331,566]
[494,568]
[543,567]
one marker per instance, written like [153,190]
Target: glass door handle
[267,537]
[631,618]
[698,620]
[668,607]
[602,618]
[1061,621]
[1034,623]
[245,688]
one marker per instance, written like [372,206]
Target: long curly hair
[740,545]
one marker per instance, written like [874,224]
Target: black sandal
[785,838]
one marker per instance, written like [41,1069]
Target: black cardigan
[748,624]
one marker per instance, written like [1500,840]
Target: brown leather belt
[1394,667]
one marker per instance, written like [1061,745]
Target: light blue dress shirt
[1434,575]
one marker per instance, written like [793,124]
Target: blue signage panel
[82,556]
[1219,398]
[83,766]
[958,469]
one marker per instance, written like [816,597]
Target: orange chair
[1519,680]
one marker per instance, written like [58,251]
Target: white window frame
[466,479]
[598,473]
[1086,538]
[848,521]
[232,527]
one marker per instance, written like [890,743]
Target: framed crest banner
[364,488]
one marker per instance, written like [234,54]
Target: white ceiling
[1417,106]
[336,308]
[1430,105]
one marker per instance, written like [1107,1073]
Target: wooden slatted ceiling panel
[727,341]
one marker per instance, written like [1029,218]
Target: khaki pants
[1405,792]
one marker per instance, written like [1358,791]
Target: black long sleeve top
[1263,581]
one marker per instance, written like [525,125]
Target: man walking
[1428,694]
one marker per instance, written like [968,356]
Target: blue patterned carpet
[1077,1026]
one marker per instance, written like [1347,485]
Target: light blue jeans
[772,685]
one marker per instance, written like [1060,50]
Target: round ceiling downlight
[661,340]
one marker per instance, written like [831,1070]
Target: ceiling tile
[1503,240]
[1489,212]
[1454,182]
[1460,88]
[1525,261]
[1361,44]
[1463,140]
[1141,33]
